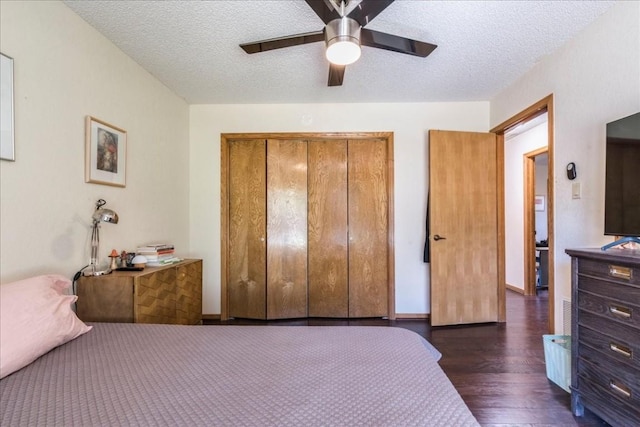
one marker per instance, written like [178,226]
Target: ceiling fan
[344,34]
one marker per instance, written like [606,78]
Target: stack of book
[158,254]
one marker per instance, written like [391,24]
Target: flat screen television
[622,179]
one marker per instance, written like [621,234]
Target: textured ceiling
[192,47]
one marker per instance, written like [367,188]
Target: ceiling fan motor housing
[343,33]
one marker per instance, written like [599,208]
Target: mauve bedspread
[166,375]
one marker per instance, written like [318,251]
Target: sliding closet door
[368,228]
[286,229]
[328,256]
[247,229]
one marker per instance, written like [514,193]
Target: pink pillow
[35,317]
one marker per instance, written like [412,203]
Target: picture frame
[105,153]
[7,118]
[539,203]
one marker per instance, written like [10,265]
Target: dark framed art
[105,153]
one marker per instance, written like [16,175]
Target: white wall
[594,79]
[65,70]
[514,150]
[410,124]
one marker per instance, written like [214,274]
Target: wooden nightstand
[168,294]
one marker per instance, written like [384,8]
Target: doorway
[536,221]
[534,111]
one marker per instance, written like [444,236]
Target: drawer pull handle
[620,389]
[625,351]
[620,272]
[623,312]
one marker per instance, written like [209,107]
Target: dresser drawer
[616,381]
[612,288]
[608,327]
[610,270]
[614,411]
[610,307]
[617,350]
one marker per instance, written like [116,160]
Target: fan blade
[281,42]
[336,75]
[324,10]
[367,10]
[395,43]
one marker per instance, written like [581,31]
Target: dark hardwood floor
[498,369]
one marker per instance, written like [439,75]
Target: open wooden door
[463,223]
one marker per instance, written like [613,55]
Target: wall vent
[566,317]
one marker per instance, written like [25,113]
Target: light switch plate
[576,190]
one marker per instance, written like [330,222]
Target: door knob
[438,237]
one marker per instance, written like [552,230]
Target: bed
[134,374]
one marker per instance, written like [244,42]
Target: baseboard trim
[408,316]
[515,289]
[399,316]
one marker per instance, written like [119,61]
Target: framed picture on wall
[539,203]
[105,153]
[7,148]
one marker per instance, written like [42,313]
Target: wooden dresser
[605,358]
[168,294]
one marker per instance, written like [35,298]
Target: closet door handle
[438,237]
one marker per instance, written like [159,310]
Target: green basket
[557,358]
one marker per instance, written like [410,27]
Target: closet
[307,225]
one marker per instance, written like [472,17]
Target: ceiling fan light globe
[343,52]
[343,41]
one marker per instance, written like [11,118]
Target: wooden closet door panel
[368,228]
[286,229]
[327,221]
[247,229]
